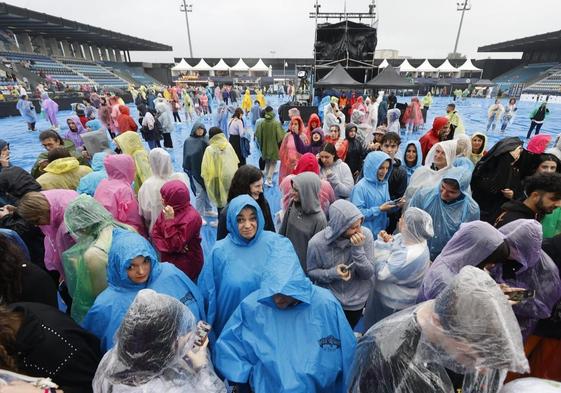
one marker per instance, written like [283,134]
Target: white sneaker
[211,213]
[269,183]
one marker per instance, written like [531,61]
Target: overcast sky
[254,28]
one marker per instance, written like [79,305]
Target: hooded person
[315,145]
[449,205]
[153,351]
[438,132]
[400,263]
[412,158]
[50,108]
[165,117]
[332,116]
[476,243]
[309,349]
[478,145]
[27,112]
[85,263]
[341,258]
[534,270]
[246,101]
[413,116]
[304,216]
[355,150]
[125,121]
[371,194]
[469,329]
[288,152]
[313,123]
[236,263]
[193,151]
[116,194]
[393,120]
[218,167]
[322,106]
[75,130]
[268,136]
[63,171]
[307,163]
[46,210]
[89,183]
[129,142]
[149,197]
[133,264]
[496,178]
[176,234]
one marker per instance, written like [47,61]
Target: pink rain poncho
[57,239]
[288,153]
[50,108]
[413,114]
[116,194]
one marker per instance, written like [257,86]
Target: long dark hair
[7,338]
[330,148]
[10,271]
[244,176]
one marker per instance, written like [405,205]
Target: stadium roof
[22,20]
[552,39]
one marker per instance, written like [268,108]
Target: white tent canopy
[202,65]
[426,67]
[182,66]
[221,66]
[260,67]
[384,64]
[447,67]
[406,67]
[468,66]
[240,66]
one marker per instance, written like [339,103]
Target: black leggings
[533,125]
[176,117]
[167,140]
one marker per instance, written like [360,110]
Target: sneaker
[213,224]
[211,213]
[269,183]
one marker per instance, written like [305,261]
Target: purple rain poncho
[50,108]
[74,136]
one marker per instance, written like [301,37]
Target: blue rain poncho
[235,266]
[307,347]
[369,193]
[88,184]
[418,163]
[110,307]
[446,216]
[27,110]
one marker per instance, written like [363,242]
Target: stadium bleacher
[97,73]
[522,75]
[550,84]
[136,73]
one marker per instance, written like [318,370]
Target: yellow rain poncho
[85,263]
[167,95]
[246,101]
[64,173]
[261,98]
[220,162]
[130,144]
[188,103]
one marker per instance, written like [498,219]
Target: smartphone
[347,267]
[520,296]
[395,201]
[201,335]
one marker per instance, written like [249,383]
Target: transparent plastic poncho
[469,329]
[150,354]
[85,263]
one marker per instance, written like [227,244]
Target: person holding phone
[341,258]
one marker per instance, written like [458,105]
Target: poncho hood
[160,162]
[176,194]
[120,167]
[307,163]
[372,164]
[342,214]
[287,279]
[235,206]
[62,165]
[308,185]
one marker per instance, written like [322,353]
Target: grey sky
[254,28]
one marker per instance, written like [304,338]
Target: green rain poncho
[85,263]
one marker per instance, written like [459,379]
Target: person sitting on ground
[63,171]
[469,328]
[341,258]
[449,205]
[177,231]
[248,180]
[543,195]
[314,357]
[133,265]
[156,351]
[400,263]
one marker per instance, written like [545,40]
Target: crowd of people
[424,264]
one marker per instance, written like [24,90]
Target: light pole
[187,8]
[462,5]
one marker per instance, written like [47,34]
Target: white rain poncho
[532,385]
[400,266]
[469,329]
[426,175]
[151,349]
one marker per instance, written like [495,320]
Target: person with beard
[543,195]
[438,133]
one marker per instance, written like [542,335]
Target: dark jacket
[50,344]
[222,232]
[193,152]
[398,180]
[30,234]
[551,327]
[37,286]
[15,182]
[514,210]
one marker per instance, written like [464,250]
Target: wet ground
[25,146]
